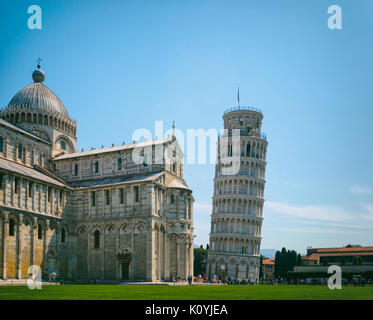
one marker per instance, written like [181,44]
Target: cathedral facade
[118,213]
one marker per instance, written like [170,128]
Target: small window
[11,227]
[174,168]
[248,150]
[121,196]
[93,198]
[63,144]
[172,198]
[49,194]
[107,196]
[19,151]
[61,196]
[30,187]
[96,167]
[63,235]
[96,236]
[40,231]
[1,181]
[119,163]
[76,169]
[1,144]
[16,185]
[136,193]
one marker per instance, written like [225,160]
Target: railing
[243,108]
[261,135]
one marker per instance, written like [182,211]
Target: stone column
[159,255]
[19,244]
[32,244]
[45,233]
[5,235]
[178,256]
[89,252]
[132,269]
[57,231]
[116,253]
[186,265]
[152,253]
[125,200]
[163,235]
[11,190]
[191,258]
[103,255]
[177,206]
[167,257]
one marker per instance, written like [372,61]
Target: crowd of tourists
[357,280]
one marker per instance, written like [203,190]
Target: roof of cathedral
[116,180]
[14,127]
[177,184]
[38,97]
[112,149]
[29,172]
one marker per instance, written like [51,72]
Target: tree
[201,246]
[261,267]
[284,262]
[356,260]
[207,247]
[299,260]
[353,246]
[343,261]
[277,264]
[200,258]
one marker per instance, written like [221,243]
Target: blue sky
[120,65]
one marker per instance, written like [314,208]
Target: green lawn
[153,292]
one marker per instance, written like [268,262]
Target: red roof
[336,250]
[269,261]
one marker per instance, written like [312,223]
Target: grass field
[152,292]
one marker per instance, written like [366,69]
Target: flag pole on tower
[238,96]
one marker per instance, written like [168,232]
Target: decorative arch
[110,228]
[82,230]
[124,249]
[125,228]
[140,227]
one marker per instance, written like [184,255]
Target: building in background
[97,214]
[350,258]
[268,267]
[236,220]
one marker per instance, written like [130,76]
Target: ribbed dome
[37,97]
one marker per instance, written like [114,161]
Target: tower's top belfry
[247,119]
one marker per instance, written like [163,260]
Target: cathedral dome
[38,98]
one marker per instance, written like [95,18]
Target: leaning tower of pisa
[236,219]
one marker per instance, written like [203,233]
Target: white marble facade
[94,214]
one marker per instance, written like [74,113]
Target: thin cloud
[360,190]
[318,230]
[324,213]
[203,207]
[369,212]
